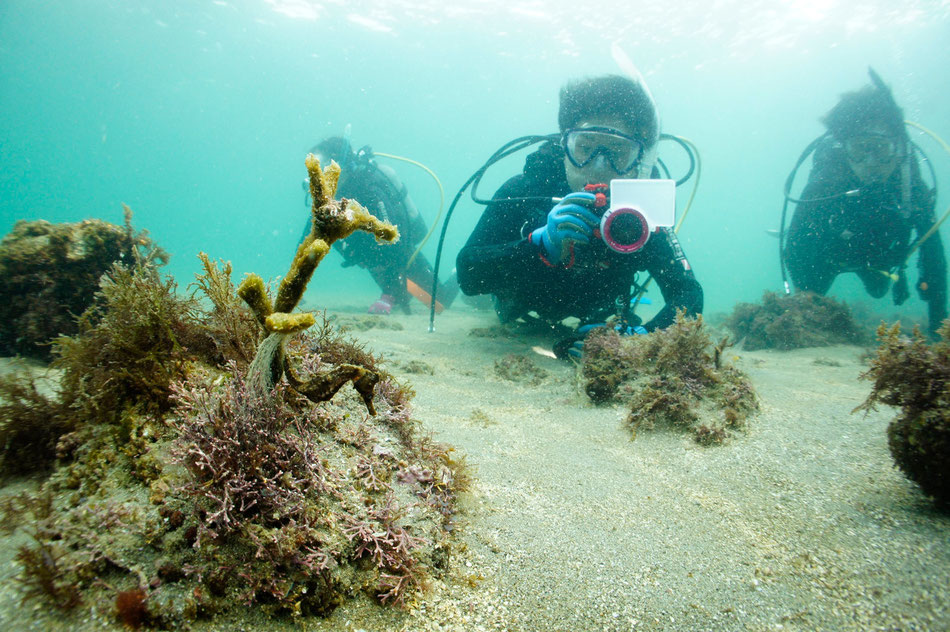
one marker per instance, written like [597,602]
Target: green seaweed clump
[49,274]
[230,329]
[675,376]
[132,344]
[32,419]
[914,376]
[794,322]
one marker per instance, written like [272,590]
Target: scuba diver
[864,196]
[538,246]
[399,269]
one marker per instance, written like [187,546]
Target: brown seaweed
[668,376]
[793,322]
[914,376]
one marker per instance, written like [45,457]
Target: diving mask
[583,145]
[876,148]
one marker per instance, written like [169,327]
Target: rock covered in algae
[234,501]
[914,376]
[49,274]
[137,338]
[210,499]
[793,322]
[675,376]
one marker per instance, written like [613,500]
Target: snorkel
[904,140]
[649,155]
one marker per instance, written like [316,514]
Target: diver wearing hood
[863,198]
[536,246]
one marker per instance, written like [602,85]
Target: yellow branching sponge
[281,323]
[331,220]
[253,293]
[338,219]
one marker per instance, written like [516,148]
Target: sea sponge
[283,323]
[331,220]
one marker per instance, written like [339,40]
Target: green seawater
[198,113]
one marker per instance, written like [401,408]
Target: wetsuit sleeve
[674,276]
[932,265]
[497,256]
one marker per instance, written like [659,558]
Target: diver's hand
[576,350]
[570,221]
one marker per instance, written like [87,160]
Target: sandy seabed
[801,522]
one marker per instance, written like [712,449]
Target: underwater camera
[637,209]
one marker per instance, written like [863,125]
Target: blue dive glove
[576,350]
[569,221]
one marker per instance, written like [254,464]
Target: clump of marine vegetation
[675,376]
[913,375]
[203,455]
[49,274]
[795,321]
[516,367]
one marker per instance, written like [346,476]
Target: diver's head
[873,155]
[870,127]
[608,125]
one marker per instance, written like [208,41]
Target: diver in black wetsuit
[376,187]
[864,196]
[542,255]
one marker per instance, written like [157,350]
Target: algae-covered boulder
[675,376]
[793,322]
[914,376]
[49,274]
